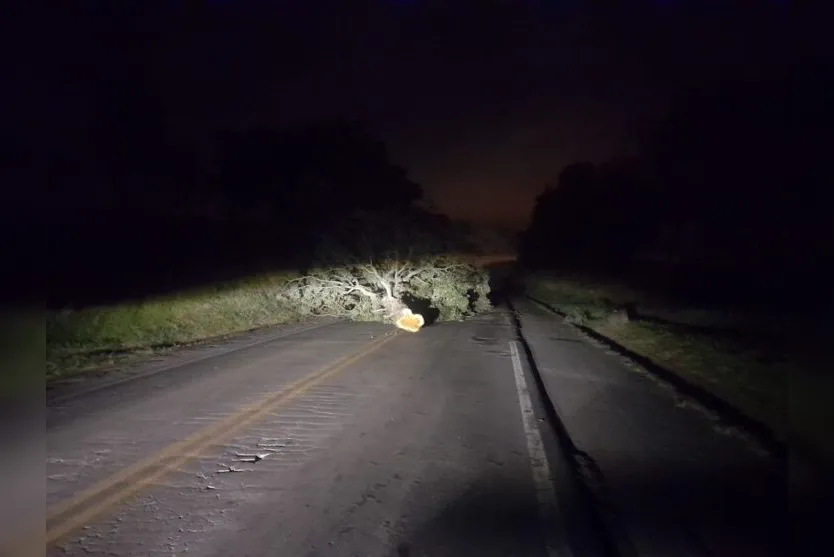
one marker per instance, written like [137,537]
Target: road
[353,439]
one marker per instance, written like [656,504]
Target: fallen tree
[393,289]
[390,266]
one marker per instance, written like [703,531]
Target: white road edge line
[552,524]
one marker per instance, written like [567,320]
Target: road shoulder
[675,483]
[142,365]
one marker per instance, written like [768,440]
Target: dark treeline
[140,203]
[135,209]
[265,200]
[729,196]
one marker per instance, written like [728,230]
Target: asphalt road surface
[350,439]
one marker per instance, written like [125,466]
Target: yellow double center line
[66,517]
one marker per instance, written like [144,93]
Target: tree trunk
[394,307]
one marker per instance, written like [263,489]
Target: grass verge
[21,354]
[88,339]
[774,375]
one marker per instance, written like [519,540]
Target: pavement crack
[230,469]
[251,457]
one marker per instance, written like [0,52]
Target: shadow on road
[504,283]
[423,307]
[676,511]
[494,517]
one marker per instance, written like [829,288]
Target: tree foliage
[736,172]
[381,290]
[325,169]
[371,266]
[594,215]
[729,191]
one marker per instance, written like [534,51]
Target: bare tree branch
[376,288]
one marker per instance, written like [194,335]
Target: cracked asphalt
[349,440]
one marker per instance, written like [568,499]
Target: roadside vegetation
[90,338]
[21,353]
[93,338]
[369,266]
[771,370]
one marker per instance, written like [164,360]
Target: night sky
[482,101]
